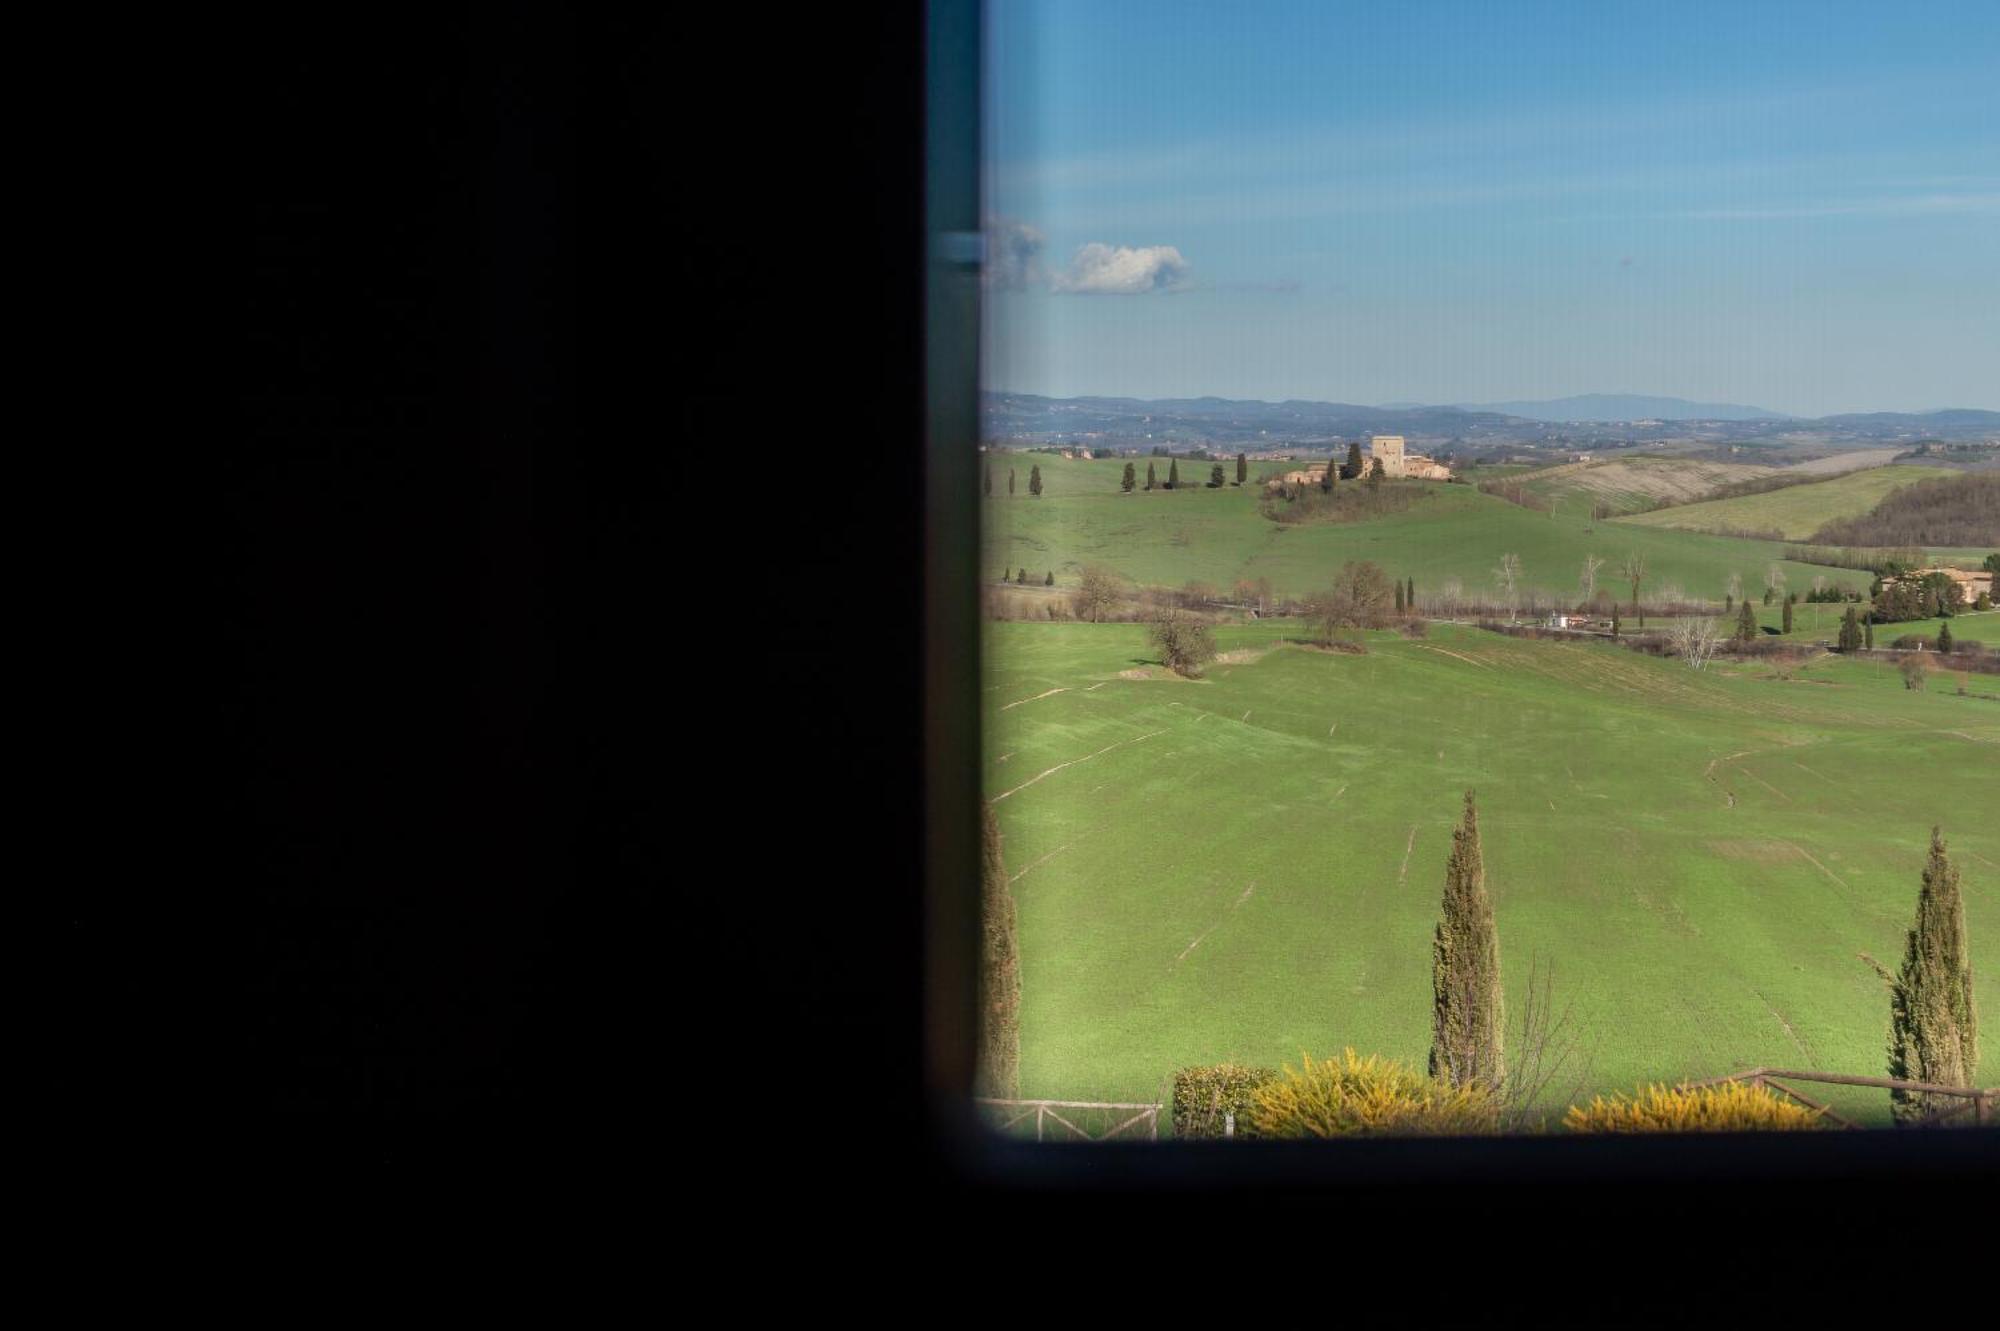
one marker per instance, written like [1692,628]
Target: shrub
[1916,670]
[1371,1096]
[1204,1096]
[1415,628]
[1183,641]
[1729,1107]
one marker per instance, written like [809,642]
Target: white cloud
[1122,270]
[1013,254]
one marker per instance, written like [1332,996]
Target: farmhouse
[1971,583]
[1388,449]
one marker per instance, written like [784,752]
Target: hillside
[1796,511]
[1216,536]
[1627,407]
[1631,484]
[1249,867]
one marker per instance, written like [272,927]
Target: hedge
[1203,1096]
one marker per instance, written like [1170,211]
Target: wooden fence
[1047,1111]
[1980,1101]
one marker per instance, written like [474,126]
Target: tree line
[1945,510]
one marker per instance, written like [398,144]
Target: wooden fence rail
[1045,1110]
[1980,1100]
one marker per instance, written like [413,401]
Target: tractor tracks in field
[1051,771]
[1037,698]
[1217,925]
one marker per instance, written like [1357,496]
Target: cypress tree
[1933,1027]
[999,973]
[1332,472]
[1466,1009]
[1746,624]
[1728,601]
[1375,474]
[1850,630]
[1242,468]
[1868,630]
[1788,616]
[1129,480]
[1035,481]
[1944,638]
[1173,474]
[1050,581]
[1216,480]
[1022,576]
[1010,480]
[1353,467]
[1614,621]
[1152,480]
[1399,598]
[1410,594]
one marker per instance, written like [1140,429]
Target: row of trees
[1034,480]
[1216,477]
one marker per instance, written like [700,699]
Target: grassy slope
[1798,511]
[1231,880]
[1168,538]
[1630,483]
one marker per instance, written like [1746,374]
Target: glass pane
[1489,532]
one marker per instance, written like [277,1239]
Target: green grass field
[1249,867]
[1798,511]
[1167,538]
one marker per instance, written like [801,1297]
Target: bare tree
[1774,581]
[1695,640]
[1587,583]
[1547,1048]
[1453,592]
[1507,575]
[1634,571]
[1183,641]
[1098,594]
[1734,589]
[1358,599]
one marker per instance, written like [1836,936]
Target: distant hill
[1202,420]
[1592,421]
[1627,407]
[1961,417]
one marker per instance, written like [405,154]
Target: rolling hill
[1627,407]
[1248,868]
[1796,511]
[1216,536]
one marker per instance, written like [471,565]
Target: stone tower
[1389,448]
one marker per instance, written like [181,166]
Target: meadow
[1248,867]
[1797,511]
[1628,484]
[1167,538]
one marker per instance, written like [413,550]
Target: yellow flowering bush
[1728,1107]
[1372,1096]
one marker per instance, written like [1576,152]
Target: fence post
[1039,1111]
[1229,1123]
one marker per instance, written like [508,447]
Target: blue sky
[1792,206]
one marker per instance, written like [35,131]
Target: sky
[1791,206]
